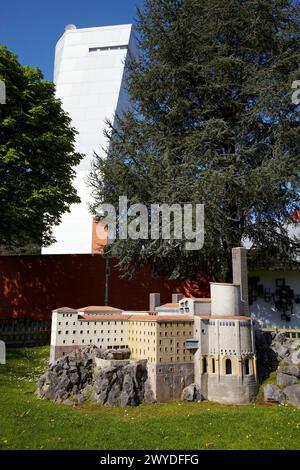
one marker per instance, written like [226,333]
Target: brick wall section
[32,286]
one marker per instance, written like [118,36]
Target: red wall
[32,286]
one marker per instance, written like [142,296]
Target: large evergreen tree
[36,157]
[212,122]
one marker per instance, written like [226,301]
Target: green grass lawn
[27,422]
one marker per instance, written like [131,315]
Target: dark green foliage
[36,156]
[212,122]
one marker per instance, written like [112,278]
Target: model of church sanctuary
[206,342]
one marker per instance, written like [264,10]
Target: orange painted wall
[32,286]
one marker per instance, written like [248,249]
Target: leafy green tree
[36,156]
[212,122]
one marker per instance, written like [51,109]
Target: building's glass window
[213,365]
[107,48]
[247,366]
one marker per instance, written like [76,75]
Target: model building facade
[209,342]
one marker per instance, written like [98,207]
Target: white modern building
[89,74]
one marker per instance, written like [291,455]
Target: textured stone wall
[231,389]
[169,380]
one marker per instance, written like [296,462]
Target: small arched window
[247,366]
[204,365]
[228,367]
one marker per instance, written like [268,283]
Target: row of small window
[178,333]
[108,347]
[87,332]
[98,340]
[140,340]
[178,359]
[139,351]
[102,323]
[171,342]
[224,351]
[107,48]
[139,332]
[93,340]
[66,324]
[227,323]
[228,366]
[67,315]
[171,350]
[102,340]
[177,324]
[66,332]
[82,332]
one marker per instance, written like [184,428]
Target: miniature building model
[209,342]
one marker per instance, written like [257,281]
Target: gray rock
[192,393]
[279,338]
[293,394]
[295,344]
[284,379]
[281,350]
[75,378]
[69,402]
[295,357]
[291,370]
[273,394]
[148,393]
[114,395]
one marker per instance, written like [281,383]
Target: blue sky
[31,28]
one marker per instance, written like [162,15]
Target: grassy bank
[29,423]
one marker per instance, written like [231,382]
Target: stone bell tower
[240,277]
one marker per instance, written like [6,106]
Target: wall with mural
[275,298]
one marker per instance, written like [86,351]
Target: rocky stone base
[192,393]
[277,353]
[75,378]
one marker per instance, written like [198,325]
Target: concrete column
[252,337]
[238,351]
[240,276]
[254,367]
[154,301]
[218,365]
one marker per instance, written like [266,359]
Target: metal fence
[291,333]
[24,332]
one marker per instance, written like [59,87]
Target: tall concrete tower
[89,77]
